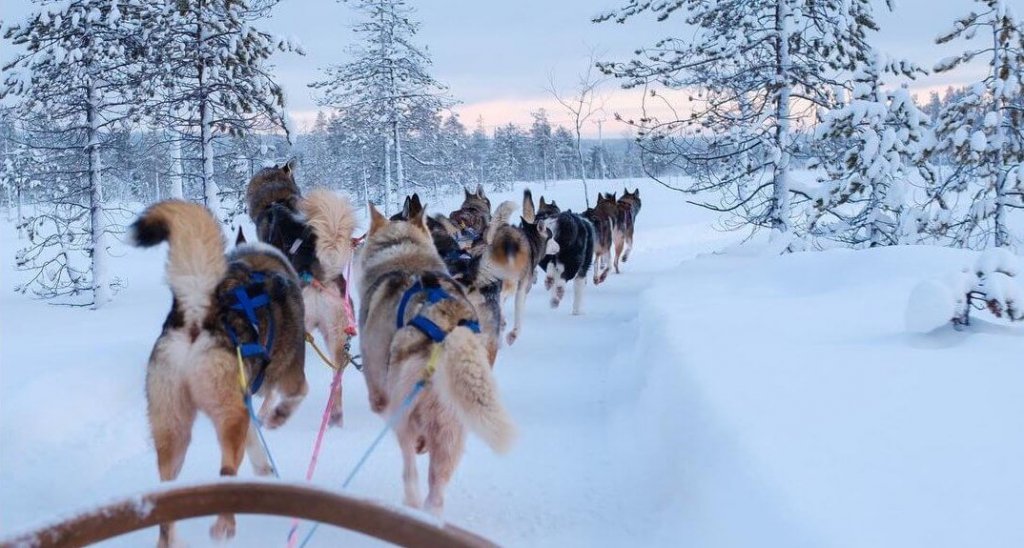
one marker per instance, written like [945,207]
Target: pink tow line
[350,330]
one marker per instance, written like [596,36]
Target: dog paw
[512,336]
[262,470]
[223,529]
[276,418]
[337,418]
[549,283]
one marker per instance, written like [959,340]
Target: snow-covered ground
[704,399]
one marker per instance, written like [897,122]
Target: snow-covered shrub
[994,283]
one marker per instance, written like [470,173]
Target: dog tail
[501,218]
[195,259]
[529,212]
[333,220]
[465,382]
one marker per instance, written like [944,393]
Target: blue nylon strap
[416,288]
[472,325]
[248,305]
[429,328]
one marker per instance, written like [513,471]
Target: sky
[499,58]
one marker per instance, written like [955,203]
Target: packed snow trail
[734,399]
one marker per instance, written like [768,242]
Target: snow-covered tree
[983,132]
[862,197]
[542,146]
[81,73]
[215,77]
[755,67]
[386,86]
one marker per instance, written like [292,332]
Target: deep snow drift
[732,399]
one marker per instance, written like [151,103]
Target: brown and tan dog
[315,233]
[628,208]
[604,217]
[193,366]
[461,393]
[475,213]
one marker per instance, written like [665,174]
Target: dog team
[430,288]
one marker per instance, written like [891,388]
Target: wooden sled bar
[276,499]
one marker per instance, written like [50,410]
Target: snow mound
[931,306]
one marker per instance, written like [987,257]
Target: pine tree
[387,86]
[863,195]
[982,130]
[82,73]
[751,62]
[215,78]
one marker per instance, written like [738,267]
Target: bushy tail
[333,220]
[501,217]
[195,260]
[464,381]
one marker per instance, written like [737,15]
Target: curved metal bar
[248,498]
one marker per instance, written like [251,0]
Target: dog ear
[415,205]
[542,203]
[289,166]
[406,207]
[480,191]
[241,237]
[377,220]
[417,217]
[466,192]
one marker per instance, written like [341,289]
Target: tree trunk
[1002,235]
[778,215]
[100,283]
[210,197]
[400,189]
[387,176]
[583,167]
[177,189]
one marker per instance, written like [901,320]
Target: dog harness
[434,295]
[248,300]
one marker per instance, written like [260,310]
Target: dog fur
[193,365]
[604,216]
[569,255]
[462,392]
[315,232]
[628,208]
[475,213]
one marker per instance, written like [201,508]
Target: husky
[527,244]
[603,216]
[628,208]
[474,215]
[193,366]
[477,268]
[315,233]
[568,256]
[403,283]
[546,210]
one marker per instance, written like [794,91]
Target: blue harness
[434,295]
[248,304]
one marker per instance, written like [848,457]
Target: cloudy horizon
[498,59]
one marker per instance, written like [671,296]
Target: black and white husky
[569,254]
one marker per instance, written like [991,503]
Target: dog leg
[336,339]
[620,243]
[521,290]
[577,298]
[257,456]
[628,246]
[551,274]
[232,423]
[292,389]
[410,476]
[446,447]
[171,416]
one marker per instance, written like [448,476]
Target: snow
[711,395]
[931,306]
